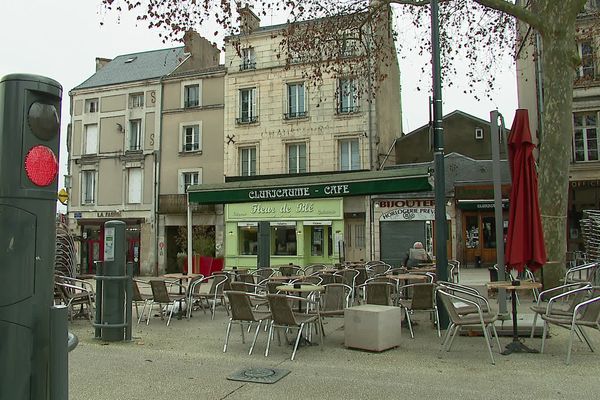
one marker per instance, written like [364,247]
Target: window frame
[247,59]
[585,140]
[343,96]
[290,113]
[136,100]
[139,188]
[252,167]
[185,96]
[296,169]
[252,113]
[183,173]
[586,71]
[88,103]
[134,134]
[88,197]
[183,144]
[86,140]
[349,153]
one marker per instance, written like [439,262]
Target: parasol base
[516,346]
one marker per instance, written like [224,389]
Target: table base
[516,346]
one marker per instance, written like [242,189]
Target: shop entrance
[354,240]
[479,238]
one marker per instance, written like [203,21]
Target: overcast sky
[60,39]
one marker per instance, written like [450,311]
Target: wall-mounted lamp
[120,128]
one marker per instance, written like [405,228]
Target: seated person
[416,255]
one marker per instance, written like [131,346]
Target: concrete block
[372,327]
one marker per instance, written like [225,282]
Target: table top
[305,287]
[524,285]
[179,275]
[429,268]
[409,277]
[286,278]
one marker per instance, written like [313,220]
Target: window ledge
[190,153]
[252,121]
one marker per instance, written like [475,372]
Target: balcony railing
[252,119]
[247,64]
[295,115]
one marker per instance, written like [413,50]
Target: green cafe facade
[325,218]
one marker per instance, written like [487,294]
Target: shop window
[317,241]
[489,232]
[248,240]
[284,240]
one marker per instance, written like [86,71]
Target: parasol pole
[497,136]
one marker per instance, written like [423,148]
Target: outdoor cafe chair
[289,270]
[454,271]
[484,319]
[243,312]
[585,314]
[138,297]
[422,299]
[251,288]
[161,296]
[461,307]
[576,293]
[218,284]
[582,273]
[380,293]
[313,269]
[284,317]
[348,277]
[73,295]
[378,269]
[334,300]
[262,274]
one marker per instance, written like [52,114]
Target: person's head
[418,245]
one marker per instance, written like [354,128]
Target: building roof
[136,67]
[454,113]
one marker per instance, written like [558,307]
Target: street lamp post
[441,231]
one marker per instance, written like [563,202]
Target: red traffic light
[41,165]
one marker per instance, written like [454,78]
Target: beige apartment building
[584,170]
[144,127]
[277,124]
[113,154]
[191,148]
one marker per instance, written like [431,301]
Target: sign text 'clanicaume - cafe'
[407,209]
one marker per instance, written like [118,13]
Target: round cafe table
[516,346]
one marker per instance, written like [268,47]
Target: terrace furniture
[422,299]
[161,296]
[372,327]
[243,312]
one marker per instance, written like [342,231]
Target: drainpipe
[157,160]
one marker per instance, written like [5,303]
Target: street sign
[63,196]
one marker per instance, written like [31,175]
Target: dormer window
[91,106]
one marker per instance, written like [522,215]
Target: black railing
[295,115]
[247,120]
[347,109]
[191,103]
[246,65]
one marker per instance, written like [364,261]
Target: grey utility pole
[441,230]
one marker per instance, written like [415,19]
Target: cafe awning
[314,186]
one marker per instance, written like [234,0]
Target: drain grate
[259,375]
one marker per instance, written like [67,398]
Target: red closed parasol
[525,239]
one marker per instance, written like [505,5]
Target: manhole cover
[259,375]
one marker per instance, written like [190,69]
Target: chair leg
[544,336]
[255,336]
[535,315]
[409,323]
[227,332]
[437,322]
[496,336]
[447,336]
[297,340]
[269,339]
[242,329]
[586,338]
[572,333]
[456,329]
[170,312]
[487,342]
[149,312]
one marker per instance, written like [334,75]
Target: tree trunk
[556,140]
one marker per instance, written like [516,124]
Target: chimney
[101,62]
[203,54]
[248,20]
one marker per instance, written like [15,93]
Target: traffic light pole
[441,230]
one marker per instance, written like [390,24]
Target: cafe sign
[286,210]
